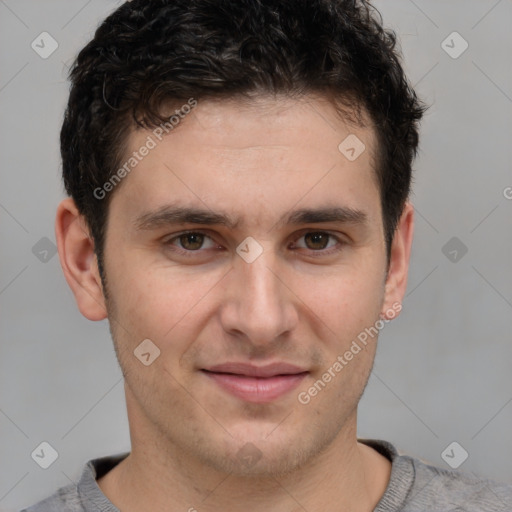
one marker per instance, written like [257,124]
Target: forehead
[266,120]
[267,153]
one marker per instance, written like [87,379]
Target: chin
[263,454]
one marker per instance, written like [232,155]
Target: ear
[396,281]
[78,260]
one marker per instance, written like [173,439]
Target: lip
[256,384]
[249,370]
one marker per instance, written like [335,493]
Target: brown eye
[191,241]
[317,240]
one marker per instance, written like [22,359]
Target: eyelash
[315,253]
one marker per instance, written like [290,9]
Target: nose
[258,304]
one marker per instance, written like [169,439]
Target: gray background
[443,369]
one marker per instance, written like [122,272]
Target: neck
[347,475]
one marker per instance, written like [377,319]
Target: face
[277,277]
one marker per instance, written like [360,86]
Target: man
[238,175]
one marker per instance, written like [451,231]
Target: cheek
[170,304]
[345,300]
[158,302]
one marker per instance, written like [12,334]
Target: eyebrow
[172,215]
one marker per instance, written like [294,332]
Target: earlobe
[78,260]
[396,281]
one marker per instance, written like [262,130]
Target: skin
[297,302]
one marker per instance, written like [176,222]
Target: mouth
[256,384]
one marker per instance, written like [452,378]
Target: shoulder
[439,488]
[65,499]
[85,495]
[416,485]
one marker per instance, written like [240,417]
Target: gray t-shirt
[414,486]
